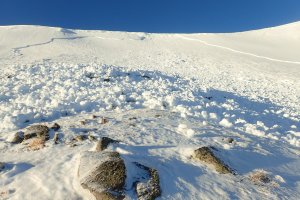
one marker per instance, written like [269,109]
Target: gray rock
[104,142]
[149,189]
[40,131]
[206,154]
[103,174]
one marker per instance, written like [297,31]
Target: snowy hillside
[162,96]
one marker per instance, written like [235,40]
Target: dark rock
[206,155]
[18,138]
[104,142]
[230,140]
[148,189]
[94,116]
[209,98]
[103,120]
[91,75]
[56,138]
[106,80]
[2,165]
[55,127]
[40,131]
[145,76]
[103,174]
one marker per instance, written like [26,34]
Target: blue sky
[152,16]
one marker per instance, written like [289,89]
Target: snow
[164,96]
[224,122]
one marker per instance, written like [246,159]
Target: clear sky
[166,16]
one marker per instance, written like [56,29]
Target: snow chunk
[183,129]
[224,122]
[251,129]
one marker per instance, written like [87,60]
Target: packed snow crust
[183,91]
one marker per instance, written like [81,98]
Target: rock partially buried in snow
[104,142]
[55,127]
[80,138]
[17,138]
[36,144]
[92,138]
[261,177]
[56,138]
[150,189]
[206,155]
[230,140]
[2,165]
[40,131]
[103,174]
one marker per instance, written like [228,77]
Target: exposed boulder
[40,131]
[207,155]
[103,174]
[147,188]
[104,142]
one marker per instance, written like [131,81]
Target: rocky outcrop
[206,154]
[104,142]
[147,188]
[103,174]
[40,131]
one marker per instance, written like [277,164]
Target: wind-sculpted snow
[161,96]
[48,91]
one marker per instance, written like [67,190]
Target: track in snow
[17,50]
[237,51]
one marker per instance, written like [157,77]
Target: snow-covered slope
[183,90]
